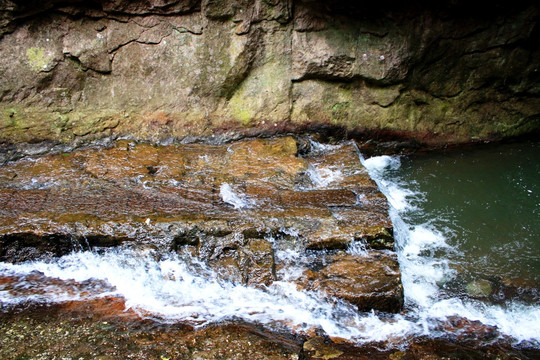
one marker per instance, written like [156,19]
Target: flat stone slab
[238,207]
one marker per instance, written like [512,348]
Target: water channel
[467,228]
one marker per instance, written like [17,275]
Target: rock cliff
[438,72]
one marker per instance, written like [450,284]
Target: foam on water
[323,176]
[320,148]
[357,248]
[422,272]
[398,196]
[230,197]
[177,287]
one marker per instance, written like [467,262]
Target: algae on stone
[255,67]
[168,198]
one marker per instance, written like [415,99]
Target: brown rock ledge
[235,207]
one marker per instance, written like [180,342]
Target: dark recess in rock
[439,73]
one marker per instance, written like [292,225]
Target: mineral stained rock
[438,72]
[238,207]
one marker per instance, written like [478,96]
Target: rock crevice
[444,72]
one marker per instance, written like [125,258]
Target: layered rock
[254,211]
[103,329]
[445,72]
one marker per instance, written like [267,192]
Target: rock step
[173,198]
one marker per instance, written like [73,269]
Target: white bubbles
[320,148]
[398,196]
[230,197]
[175,288]
[378,164]
[357,248]
[324,176]
[423,272]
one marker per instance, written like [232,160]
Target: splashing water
[176,287]
[230,197]
[323,176]
[425,271]
[179,288]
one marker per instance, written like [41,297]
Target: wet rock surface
[237,207]
[95,331]
[366,280]
[103,330]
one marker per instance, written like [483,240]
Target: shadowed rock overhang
[443,72]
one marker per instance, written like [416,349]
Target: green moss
[37,60]
[59,124]
[8,118]
[340,112]
[340,107]
[241,114]
[444,107]
[265,88]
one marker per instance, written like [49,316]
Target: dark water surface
[486,201]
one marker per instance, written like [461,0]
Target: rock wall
[153,69]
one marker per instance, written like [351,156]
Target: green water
[486,202]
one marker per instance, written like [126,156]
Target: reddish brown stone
[331,197]
[171,196]
[261,266]
[31,201]
[5,208]
[369,282]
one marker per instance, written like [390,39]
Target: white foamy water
[176,287]
[230,197]
[422,272]
[397,195]
[179,288]
[323,176]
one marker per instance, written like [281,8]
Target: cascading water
[424,256]
[177,288]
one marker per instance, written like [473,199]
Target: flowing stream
[467,227]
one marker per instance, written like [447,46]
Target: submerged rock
[236,207]
[479,288]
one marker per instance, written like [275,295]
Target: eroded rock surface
[102,329]
[435,71]
[254,211]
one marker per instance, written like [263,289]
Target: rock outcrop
[438,72]
[254,211]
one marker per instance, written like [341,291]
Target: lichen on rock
[441,73]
